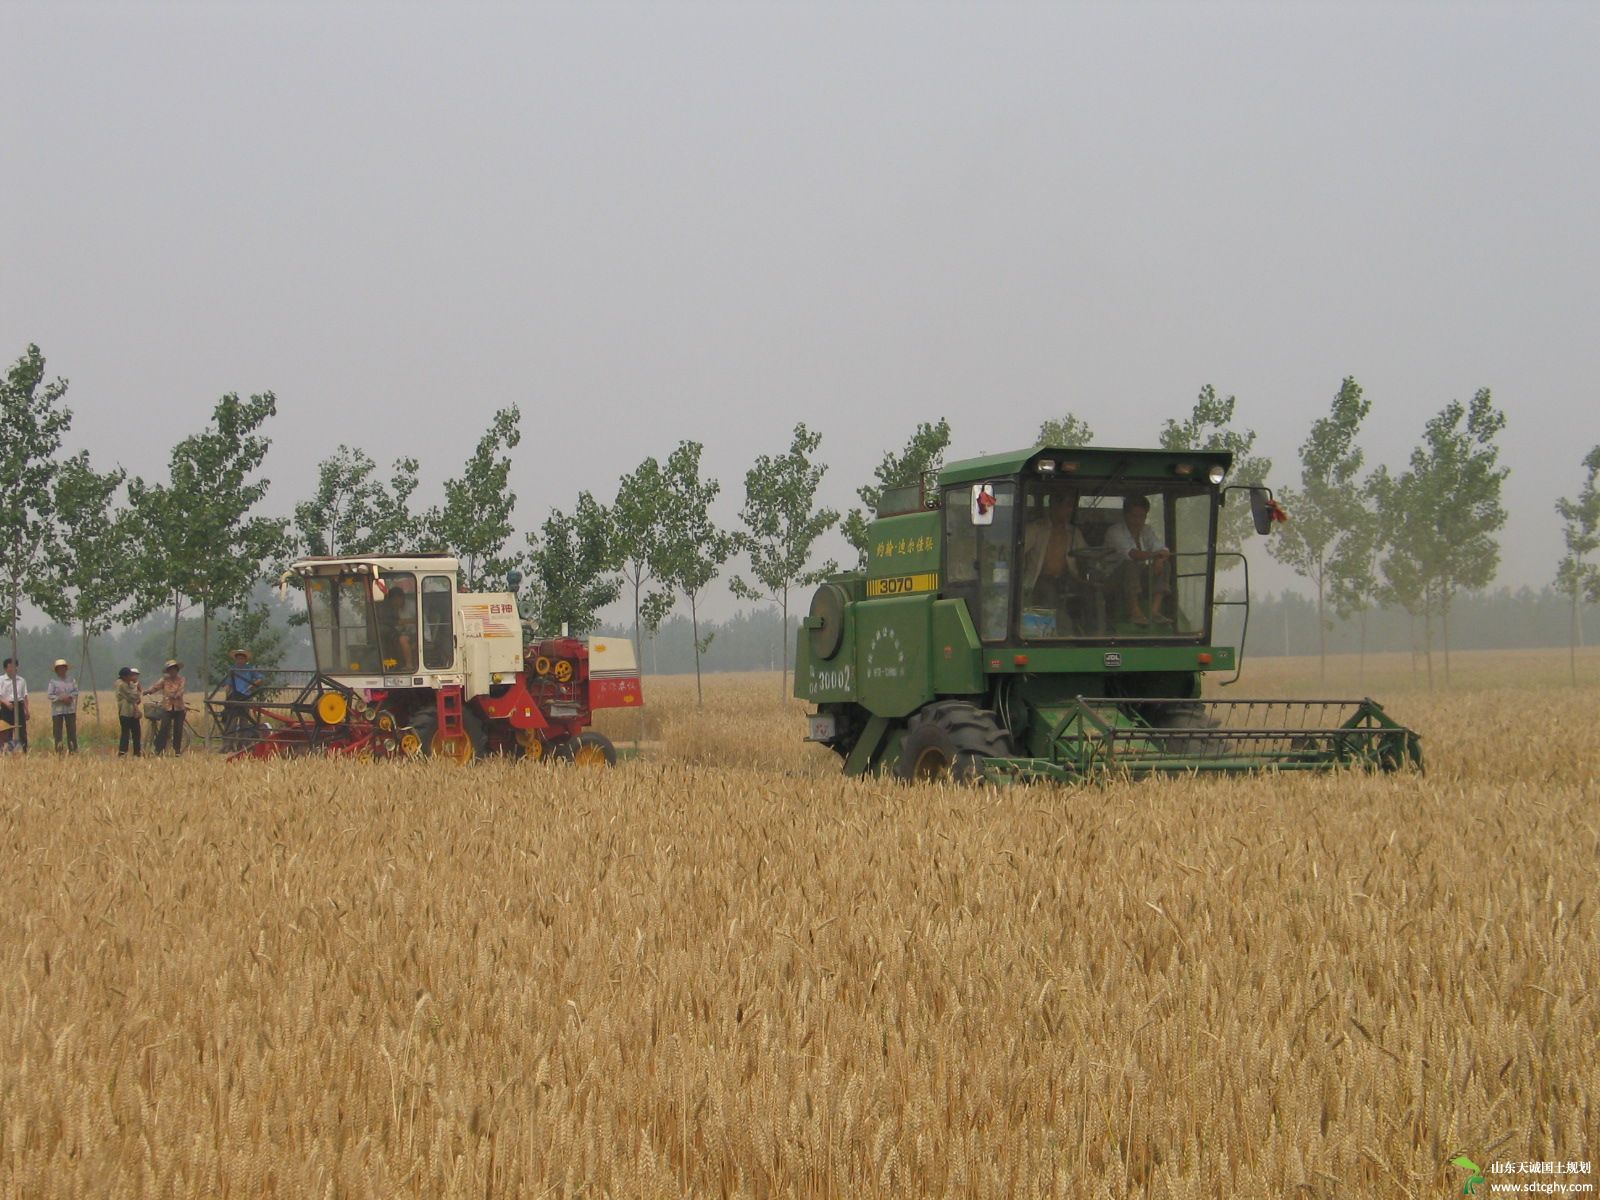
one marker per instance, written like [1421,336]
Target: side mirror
[1261,509]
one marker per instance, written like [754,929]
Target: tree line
[99,549]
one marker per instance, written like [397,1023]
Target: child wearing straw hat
[128,697]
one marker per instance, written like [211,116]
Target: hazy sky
[644,223]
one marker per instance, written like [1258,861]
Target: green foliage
[923,453]
[475,522]
[782,523]
[90,571]
[1576,575]
[1440,516]
[1070,430]
[1326,510]
[638,522]
[692,550]
[574,568]
[200,542]
[355,512]
[1209,427]
[32,422]
[248,627]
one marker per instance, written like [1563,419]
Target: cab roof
[1095,462]
[325,563]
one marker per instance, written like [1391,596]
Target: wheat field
[722,970]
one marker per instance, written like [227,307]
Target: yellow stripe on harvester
[903,585]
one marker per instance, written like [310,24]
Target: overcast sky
[644,223]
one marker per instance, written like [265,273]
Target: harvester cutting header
[1048,613]
[410,666]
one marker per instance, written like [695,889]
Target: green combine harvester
[1047,614]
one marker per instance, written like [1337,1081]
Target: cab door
[438,623]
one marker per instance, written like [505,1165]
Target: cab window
[438,625]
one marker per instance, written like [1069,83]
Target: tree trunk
[1322,630]
[694,621]
[176,609]
[1572,644]
[1444,623]
[205,660]
[88,665]
[638,657]
[783,637]
[1361,659]
[638,648]
[1427,637]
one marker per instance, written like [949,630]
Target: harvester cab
[410,665]
[1050,613]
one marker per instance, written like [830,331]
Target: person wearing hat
[13,709]
[63,694]
[128,697]
[171,685]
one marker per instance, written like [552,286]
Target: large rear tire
[948,740]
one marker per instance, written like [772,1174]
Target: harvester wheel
[564,670]
[533,746]
[425,724]
[594,750]
[457,749]
[947,740]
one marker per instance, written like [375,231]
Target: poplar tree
[693,548]
[32,422]
[353,511]
[1326,505]
[1440,516]
[923,453]
[1576,575]
[202,545]
[1209,426]
[638,524]
[574,568]
[781,524]
[475,522]
[1070,430]
[90,571]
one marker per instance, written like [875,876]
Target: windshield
[351,635]
[344,635]
[1132,561]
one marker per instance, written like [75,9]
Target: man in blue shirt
[240,685]
[243,679]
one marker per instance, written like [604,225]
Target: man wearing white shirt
[1141,561]
[13,709]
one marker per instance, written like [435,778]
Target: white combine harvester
[409,666]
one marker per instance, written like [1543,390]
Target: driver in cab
[1051,577]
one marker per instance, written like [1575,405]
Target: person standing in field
[63,694]
[13,709]
[128,697]
[171,686]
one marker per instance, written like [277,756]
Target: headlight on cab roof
[1217,473]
